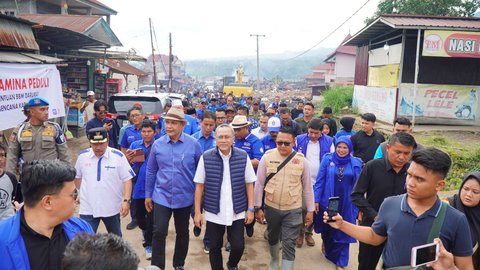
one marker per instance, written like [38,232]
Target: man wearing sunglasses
[101,120]
[288,183]
[36,237]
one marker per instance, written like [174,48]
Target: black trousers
[145,221]
[234,236]
[368,255]
[161,218]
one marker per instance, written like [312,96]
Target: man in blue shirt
[101,120]
[139,166]
[247,141]
[206,135]
[132,132]
[36,237]
[169,185]
[203,108]
[213,105]
[268,141]
[406,220]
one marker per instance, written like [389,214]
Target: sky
[206,29]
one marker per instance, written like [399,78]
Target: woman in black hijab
[467,201]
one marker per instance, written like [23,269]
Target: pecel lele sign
[461,44]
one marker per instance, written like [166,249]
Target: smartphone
[424,254]
[332,209]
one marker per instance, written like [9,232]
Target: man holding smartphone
[407,220]
[101,120]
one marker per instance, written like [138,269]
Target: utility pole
[153,57]
[258,59]
[170,61]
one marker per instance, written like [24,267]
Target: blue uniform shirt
[252,145]
[139,188]
[205,143]
[171,168]
[268,143]
[130,135]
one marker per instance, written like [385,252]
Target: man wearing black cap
[104,179]
[38,138]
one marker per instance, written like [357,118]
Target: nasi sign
[21,82]
[451,44]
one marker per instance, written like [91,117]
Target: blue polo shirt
[139,188]
[206,143]
[404,230]
[171,167]
[268,143]
[252,145]
[130,135]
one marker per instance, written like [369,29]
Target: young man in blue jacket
[36,237]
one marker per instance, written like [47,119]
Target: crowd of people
[228,163]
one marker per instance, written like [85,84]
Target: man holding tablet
[407,220]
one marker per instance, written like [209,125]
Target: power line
[331,33]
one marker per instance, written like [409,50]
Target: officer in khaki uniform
[283,197]
[37,139]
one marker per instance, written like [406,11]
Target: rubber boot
[274,250]
[287,265]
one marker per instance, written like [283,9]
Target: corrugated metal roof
[389,22]
[123,67]
[76,23]
[15,34]
[15,57]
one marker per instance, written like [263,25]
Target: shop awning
[119,66]
[30,58]
[16,33]
[73,31]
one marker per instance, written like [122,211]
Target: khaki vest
[284,191]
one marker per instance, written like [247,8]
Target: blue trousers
[111,223]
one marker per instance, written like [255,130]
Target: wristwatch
[127,200]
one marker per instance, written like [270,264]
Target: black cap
[97,135]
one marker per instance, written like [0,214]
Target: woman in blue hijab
[337,176]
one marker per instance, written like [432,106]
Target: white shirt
[102,179]
[88,112]
[226,216]
[313,152]
[259,132]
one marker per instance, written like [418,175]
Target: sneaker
[206,249]
[132,225]
[179,268]
[196,231]
[228,247]
[148,252]
[232,268]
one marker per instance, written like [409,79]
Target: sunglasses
[283,143]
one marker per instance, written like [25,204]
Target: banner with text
[21,82]
[377,100]
[451,44]
[442,101]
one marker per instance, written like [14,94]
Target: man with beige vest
[284,176]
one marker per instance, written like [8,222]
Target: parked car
[152,104]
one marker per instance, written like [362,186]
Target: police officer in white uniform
[37,138]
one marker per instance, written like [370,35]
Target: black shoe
[232,268]
[196,231]
[132,225]
[179,268]
[228,247]
[249,230]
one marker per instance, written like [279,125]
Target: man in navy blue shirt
[247,141]
[101,120]
[406,220]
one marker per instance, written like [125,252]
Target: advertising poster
[21,82]
[442,101]
[377,100]
[383,76]
[460,44]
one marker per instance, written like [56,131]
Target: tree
[460,8]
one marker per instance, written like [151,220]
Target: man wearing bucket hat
[104,179]
[38,138]
[169,187]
